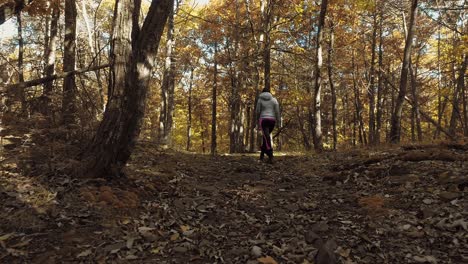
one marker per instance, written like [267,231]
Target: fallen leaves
[213,210]
[267,260]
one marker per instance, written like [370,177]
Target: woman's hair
[265,90]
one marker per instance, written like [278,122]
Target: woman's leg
[268,125]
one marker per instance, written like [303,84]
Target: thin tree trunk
[395,132]
[94,54]
[189,120]
[416,116]
[439,85]
[69,57]
[168,85]
[380,98]
[266,10]
[461,82]
[457,93]
[203,134]
[372,89]
[214,102]
[332,86]
[317,131]
[21,91]
[49,57]
[358,105]
[253,138]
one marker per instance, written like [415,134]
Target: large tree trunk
[317,125]
[395,131]
[332,85]
[133,54]
[69,57]
[214,96]
[167,88]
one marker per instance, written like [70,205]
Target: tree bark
[214,102]
[167,88]
[372,89]
[416,127]
[395,131]
[359,123]
[380,98]
[133,55]
[456,114]
[50,56]
[332,85]
[69,60]
[94,53]
[317,125]
[189,118]
[21,91]
[266,10]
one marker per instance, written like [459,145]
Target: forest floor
[396,205]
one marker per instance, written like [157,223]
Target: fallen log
[46,79]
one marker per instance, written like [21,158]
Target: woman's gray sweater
[268,107]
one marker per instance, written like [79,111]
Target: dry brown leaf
[6,236]
[175,236]
[267,260]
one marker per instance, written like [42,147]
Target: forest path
[400,205]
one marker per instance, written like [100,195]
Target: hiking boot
[270,160]
[262,155]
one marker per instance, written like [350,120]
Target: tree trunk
[459,88]
[133,54]
[317,125]
[214,102]
[94,54]
[380,98]
[359,123]
[416,116]
[21,91]
[332,86]
[69,57]
[266,10]
[49,58]
[372,89]
[253,116]
[395,131]
[189,118]
[167,88]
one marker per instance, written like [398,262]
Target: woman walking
[268,115]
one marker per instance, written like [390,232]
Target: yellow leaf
[267,260]
[184,228]
[156,250]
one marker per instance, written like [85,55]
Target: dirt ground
[397,205]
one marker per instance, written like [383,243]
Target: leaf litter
[400,205]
